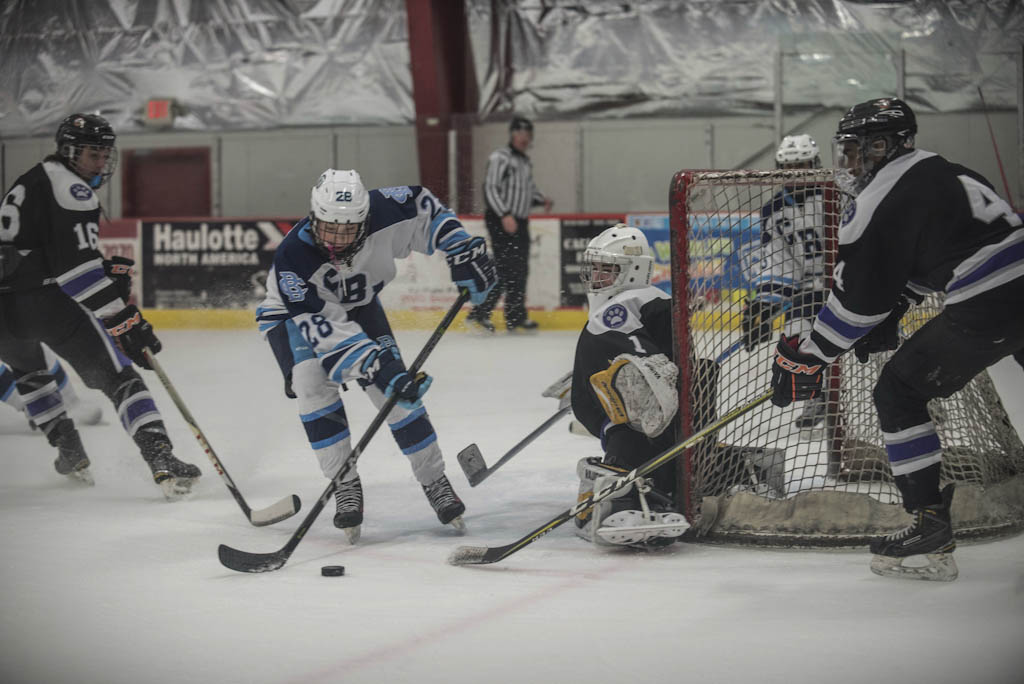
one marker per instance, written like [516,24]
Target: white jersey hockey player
[326,326]
[790,277]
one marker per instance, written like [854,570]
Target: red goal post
[762,480]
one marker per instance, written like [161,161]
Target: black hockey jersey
[635,322]
[922,223]
[51,216]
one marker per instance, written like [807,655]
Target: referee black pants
[512,262]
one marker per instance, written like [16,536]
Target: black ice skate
[174,477]
[479,324]
[348,502]
[446,503]
[931,535]
[71,459]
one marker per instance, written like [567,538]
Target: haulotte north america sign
[209,263]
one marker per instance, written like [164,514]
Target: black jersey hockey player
[326,325]
[919,224]
[55,288]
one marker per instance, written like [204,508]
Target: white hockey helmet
[339,207]
[797,151]
[618,259]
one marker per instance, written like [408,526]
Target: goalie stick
[244,561]
[283,509]
[472,461]
[481,555]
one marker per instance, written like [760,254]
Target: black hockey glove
[795,376]
[133,333]
[472,268]
[886,335]
[758,318]
[288,391]
[119,269]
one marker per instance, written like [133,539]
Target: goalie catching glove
[795,376]
[472,268]
[639,391]
[133,334]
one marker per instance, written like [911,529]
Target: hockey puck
[332,570]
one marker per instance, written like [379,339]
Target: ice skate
[175,477]
[653,525]
[71,459]
[930,535]
[811,421]
[527,326]
[348,502]
[479,325]
[446,503]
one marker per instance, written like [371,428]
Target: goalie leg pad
[593,474]
[639,390]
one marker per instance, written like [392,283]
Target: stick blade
[243,561]
[477,555]
[282,510]
[473,465]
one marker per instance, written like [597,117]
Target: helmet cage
[328,236]
[602,263]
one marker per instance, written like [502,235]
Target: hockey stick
[472,461]
[995,148]
[480,555]
[283,509]
[243,561]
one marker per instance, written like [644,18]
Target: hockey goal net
[769,478]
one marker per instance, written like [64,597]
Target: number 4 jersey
[929,225]
[50,219]
[316,295]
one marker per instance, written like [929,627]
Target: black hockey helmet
[883,129]
[520,123]
[79,132]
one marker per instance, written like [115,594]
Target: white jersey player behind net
[788,277]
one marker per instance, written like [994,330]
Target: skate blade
[176,488]
[83,476]
[353,533]
[458,524]
[630,527]
[940,567]
[811,434]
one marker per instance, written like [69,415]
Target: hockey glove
[472,268]
[119,269]
[758,317]
[886,335]
[795,376]
[386,370]
[133,333]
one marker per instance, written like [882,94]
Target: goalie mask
[85,143]
[870,135]
[616,260]
[339,208]
[797,152]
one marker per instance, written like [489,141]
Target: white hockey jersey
[304,286]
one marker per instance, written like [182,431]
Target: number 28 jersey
[316,295]
[51,217]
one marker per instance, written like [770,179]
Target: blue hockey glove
[473,268]
[409,389]
[386,370]
[795,376]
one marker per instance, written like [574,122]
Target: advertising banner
[214,263]
[424,282]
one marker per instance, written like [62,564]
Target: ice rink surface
[113,585]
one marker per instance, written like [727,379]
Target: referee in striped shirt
[509,194]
